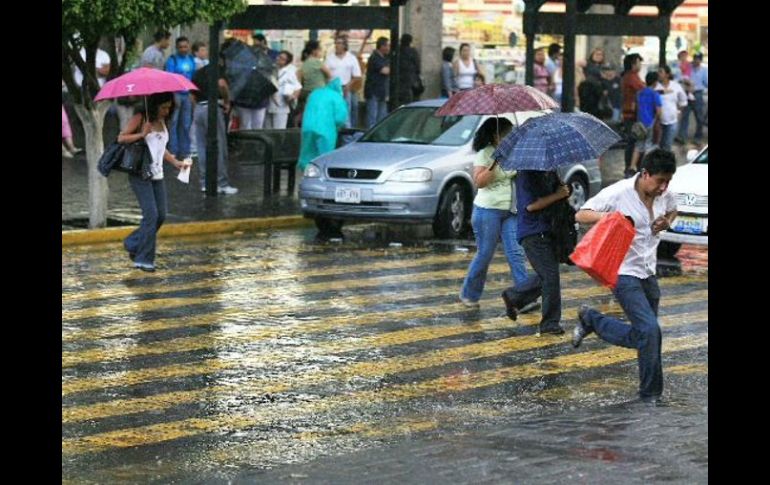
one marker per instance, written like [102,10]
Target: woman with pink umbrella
[151,193]
[149,125]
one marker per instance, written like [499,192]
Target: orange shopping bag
[603,248]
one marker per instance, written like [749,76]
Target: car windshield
[420,126]
[703,158]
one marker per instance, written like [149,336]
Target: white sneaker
[468,303]
[66,153]
[228,190]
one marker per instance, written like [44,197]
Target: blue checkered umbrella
[547,142]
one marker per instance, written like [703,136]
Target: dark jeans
[695,107]
[630,141]
[542,255]
[151,195]
[639,299]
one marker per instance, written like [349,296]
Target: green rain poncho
[326,111]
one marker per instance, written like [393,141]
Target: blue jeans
[354,110]
[179,130]
[692,107]
[489,226]
[376,110]
[151,195]
[639,299]
[667,136]
[201,134]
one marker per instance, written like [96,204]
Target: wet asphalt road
[270,357]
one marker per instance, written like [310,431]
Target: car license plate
[688,225]
[347,196]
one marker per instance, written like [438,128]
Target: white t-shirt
[156,142]
[671,101]
[621,196]
[465,74]
[345,69]
[102,59]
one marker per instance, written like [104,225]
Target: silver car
[412,167]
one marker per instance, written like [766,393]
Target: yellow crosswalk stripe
[283,293]
[243,334]
[133,377]
[394,365]
[120,271]
[258,268]
[130,326]
[573,362]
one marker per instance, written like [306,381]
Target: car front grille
[353,173]
[688,199]
[362,208]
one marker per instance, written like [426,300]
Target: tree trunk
[98,189]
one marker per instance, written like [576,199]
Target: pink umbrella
[144,81]
[495,99]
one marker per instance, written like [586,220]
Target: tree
[85,23]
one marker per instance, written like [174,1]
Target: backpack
[564,229]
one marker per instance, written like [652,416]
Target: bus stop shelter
[287,17]
[577,21]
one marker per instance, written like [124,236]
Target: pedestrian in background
[182,63]
[287,94]
[377,87]
[68,149]
[448,87]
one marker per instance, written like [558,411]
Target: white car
[690,185]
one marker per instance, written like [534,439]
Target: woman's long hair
[309,48]
[153,105]
[485,136]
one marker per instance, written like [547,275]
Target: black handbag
[133,158]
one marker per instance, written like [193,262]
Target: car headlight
[412,175]
[312,171]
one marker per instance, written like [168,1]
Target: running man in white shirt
[645,199]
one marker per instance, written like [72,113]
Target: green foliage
[86,22]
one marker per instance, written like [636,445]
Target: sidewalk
[186,203]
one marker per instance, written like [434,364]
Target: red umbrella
[144,81]
[496,99]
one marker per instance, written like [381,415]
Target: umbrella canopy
[547,142]
[142,82]
[495,99]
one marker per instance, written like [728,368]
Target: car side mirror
[691,154]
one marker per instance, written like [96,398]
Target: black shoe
[557,330]
[510,308]
[132,256]
[582,329]
[530,307]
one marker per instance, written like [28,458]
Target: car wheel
[329,227]
[667,250]
[451,218]
[579,188]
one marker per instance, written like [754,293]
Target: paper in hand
[184,173]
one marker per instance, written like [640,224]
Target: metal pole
[530,27]
[212,146]
[662,50]
[395,59]
[568,65]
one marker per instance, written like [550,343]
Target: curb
[114,234]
